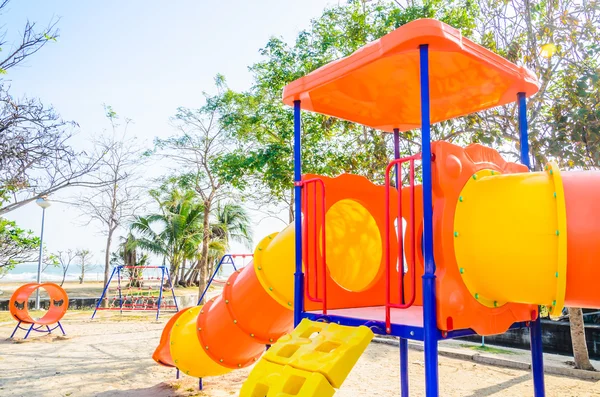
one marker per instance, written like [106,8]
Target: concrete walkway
[501,356]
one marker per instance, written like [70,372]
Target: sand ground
[111,357]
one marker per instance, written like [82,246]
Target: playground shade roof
[379,84]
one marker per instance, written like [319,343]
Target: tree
[35,156]
[84,256]
[232,223]
[202,140]
[264,125]
[118,196]
[65,259]
[580,350]
[16,245]
[558,41]
[128,256]
[175,232]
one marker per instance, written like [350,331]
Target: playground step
[300,361]
[273,380]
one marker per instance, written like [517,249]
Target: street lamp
[42,202]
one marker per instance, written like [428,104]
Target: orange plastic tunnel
[19,303]
[231,330]
[582,202]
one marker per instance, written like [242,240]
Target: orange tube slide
[231,330]
[582,201]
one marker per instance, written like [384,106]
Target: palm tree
[176,231]
[128,255]
[232,224]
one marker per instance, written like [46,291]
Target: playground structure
[139,289]
[57,307]
[228,259]
[490,240]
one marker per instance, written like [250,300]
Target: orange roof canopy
[378,85]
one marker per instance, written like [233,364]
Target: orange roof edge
[378,85]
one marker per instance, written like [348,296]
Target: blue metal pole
[172,288]
[212,277]
[535,330]
[429,310]
[39,269]
[27,334]
[15,330]
[299,275]
[119,287]
[402,341]
[61,328]
[233,263]
[160,289]
[537,357]
[103,293]
[523,138]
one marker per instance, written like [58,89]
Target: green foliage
[16,245]
[175,232]
[263,126]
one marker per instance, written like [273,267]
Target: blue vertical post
[298,276]
[535,330]
[15,330]
[402,341]
[119,286]
[172,288]
[523,134]
[103,293]
[160,289]
[212,277]
[429,310]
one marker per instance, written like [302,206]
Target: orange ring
[19,302]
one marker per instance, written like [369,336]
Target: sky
[145,59]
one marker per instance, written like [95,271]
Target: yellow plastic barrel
[510,238]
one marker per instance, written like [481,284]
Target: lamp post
[42,202]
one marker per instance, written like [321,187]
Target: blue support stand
[225,259]
[171,287]
[537,358]
[162,278]
[105,290]
[535,330]
[40,328]
[298,275]
[523,134]
[430,332]
[119,286]
[165,275]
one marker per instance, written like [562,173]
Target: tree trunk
[82,271]
[204,256]
[64,275]
[187,278]
[291,207]
[111,230]
[181,278]
[580,351]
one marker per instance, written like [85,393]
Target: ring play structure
[19,308]
[485,242]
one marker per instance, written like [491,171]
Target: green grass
[488,349]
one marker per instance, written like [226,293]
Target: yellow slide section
[312,361]
[510,238]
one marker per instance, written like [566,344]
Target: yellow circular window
[354,247]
